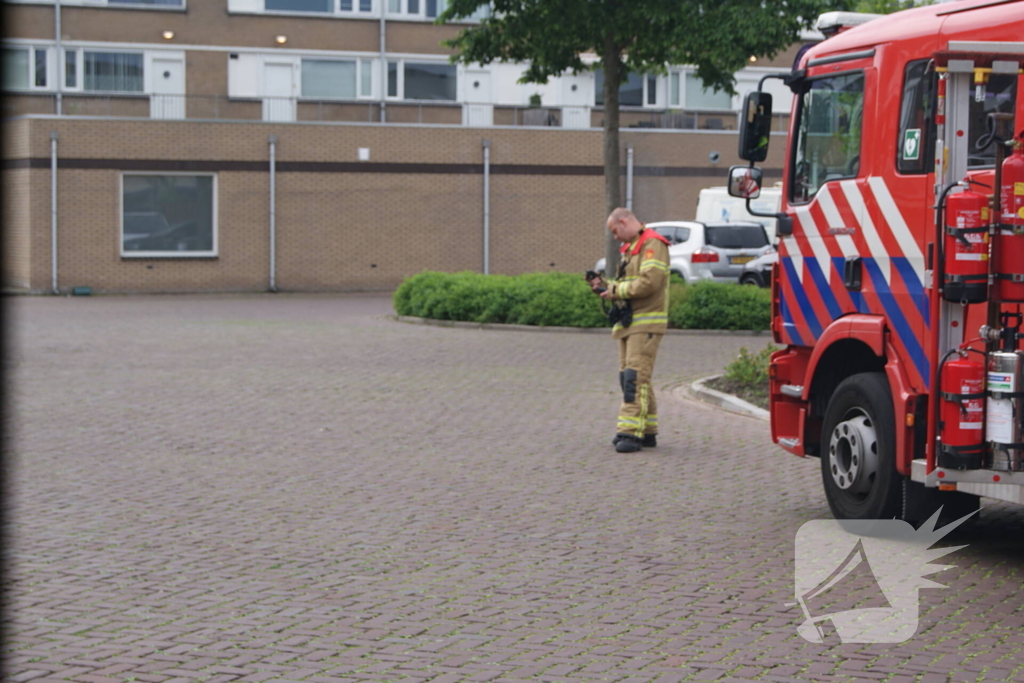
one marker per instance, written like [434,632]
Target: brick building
[240,145]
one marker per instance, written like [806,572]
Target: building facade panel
[204,23]
[415,204]
[546,223]
[369,231]
[206,75]
[406,37]
[16,244]
[27,21]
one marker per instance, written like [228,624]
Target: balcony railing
[286,109]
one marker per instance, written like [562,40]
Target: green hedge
[720,306]
[558,299]
[563,299]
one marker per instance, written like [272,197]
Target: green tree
[887,6]
[641,36]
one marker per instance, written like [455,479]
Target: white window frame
[104,3]
[659,96]
[79,86]
[402,61]
[51,83]
[684,104]
[359,62]
[260,7]
[374,10]
[213,253]
[403,12]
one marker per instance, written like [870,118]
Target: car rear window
[736,236]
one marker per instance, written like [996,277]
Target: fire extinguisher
[962,416]
[1008,246]
[966,248]
[1004,410]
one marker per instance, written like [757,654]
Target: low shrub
[747,377]
[750,369]
[558,299]
[722,306]
[565,300]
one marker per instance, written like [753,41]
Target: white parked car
[710,251]
[759,271]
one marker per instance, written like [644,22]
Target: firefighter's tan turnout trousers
[638,414]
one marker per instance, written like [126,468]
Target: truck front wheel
[858,444]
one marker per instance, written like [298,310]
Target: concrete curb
[575,330]
[726,401]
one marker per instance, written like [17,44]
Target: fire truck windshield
[828,133]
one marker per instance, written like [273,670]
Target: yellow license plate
[740,259]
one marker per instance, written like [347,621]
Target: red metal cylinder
[1008,245]
[962,414]
[966,248]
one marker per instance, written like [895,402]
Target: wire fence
[284,109]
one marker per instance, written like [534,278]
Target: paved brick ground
[297,488]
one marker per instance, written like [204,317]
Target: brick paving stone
[297,487]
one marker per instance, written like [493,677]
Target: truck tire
[858,450]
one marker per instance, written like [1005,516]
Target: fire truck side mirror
[755,126]
[784,225]
[745,182]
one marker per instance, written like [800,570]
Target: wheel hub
[853,454]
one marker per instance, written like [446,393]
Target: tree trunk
[612,193]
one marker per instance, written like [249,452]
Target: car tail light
[705,255]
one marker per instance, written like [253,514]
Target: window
[25,68]
[168,215]
[15,69]
[337,78]
[736,236]
[631,91]
[299,5]
[154,3]
[392,79]
[674,235]
[70,68]
[1000,95]
[40,68]
[422,81]
[356,6]
[915,148]
[141,4]
[112,71]
[828,133]
[431,9]
[366,78]
[699,97]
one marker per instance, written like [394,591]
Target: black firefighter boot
[627,443]
[650,440]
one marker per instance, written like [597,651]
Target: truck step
[792,390]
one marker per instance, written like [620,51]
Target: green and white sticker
[912,144]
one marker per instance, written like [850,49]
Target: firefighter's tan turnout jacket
[643,282]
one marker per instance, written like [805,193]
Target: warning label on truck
[999,423]
[1000,381]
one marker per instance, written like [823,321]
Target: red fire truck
[899,289]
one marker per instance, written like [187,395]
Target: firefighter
[639,297]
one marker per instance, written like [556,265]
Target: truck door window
[915,149]
[828,133]
[1000,95]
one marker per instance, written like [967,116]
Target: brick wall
[338,227]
